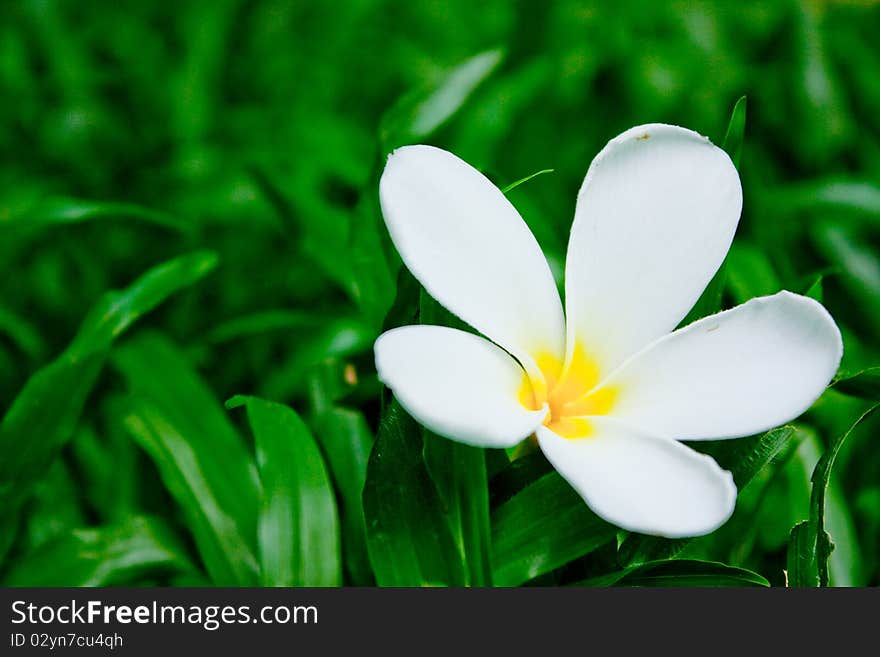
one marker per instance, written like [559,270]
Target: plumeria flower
[608,388]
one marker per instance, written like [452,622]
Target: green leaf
[49,405]
[459,471]
[821,477]
[864,384]
[298,527]
[744,457]
[691,572]
[514,475]
[408,536]
[202,460]
[118,310]
[103,556]
[845,197]
[542,527]
[736,129]
[420,113]
[346,440]
[680,572]
[372,279]
[801,566]
[71,211]
[785,500]
[519,182]
[815,290]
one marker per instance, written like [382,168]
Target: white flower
[610,387]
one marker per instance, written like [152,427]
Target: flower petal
[655,217]
[458,385]
[643,483]
[471,250]
[733,374]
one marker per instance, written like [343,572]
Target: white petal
[733,374]
[458,385]
[470,249]
[643,483]
[655,217]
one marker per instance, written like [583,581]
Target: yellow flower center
[569,394]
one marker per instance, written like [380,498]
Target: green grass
[217,165]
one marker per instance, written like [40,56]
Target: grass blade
[680,572]
[801,566]
[459,471]
[45,413]
[104,556]
[202,460]
[420,113]
[408,536]
[864,383]
[298,527]
[736,129]
[519,182]
[542,527]
[63,210]
[821,477]
[346,441]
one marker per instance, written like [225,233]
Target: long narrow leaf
[821,477]
[408,536]
[864,383]
[801,566]
[104,556]
[542,527]
[45,413]
[423,111]
[736,129]
[201,458]
[62,210]
[459,471]
[346,441]
[298,527]
[680,572]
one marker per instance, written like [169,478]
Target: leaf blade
[542,527]
[420,113]
[298,526]
[408,537]
[736,129]
[202,460]
[103,556]
[680,572]
[50,403]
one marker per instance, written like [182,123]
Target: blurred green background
[252,134]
